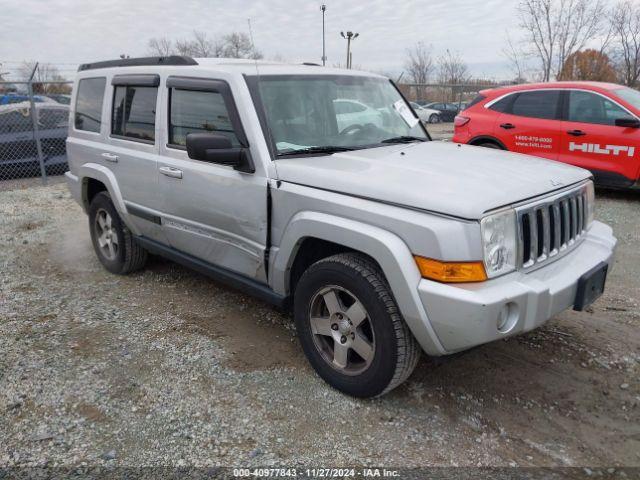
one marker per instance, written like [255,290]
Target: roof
[231,65]
[597,86]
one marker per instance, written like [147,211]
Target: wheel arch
[96,178]
[479,140]
[337,234]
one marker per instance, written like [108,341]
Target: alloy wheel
[106,235]
[342,330]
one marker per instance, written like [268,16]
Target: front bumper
[464,316]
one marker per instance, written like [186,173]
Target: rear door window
[88,114]
[134,112]
[539,104]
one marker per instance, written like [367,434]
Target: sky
[69,32]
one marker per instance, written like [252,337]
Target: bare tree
[452,70]
[160,47]
[234,45]
[205,47]
[516,57]
[184,47]
[558,28]
[419,66]
[44,74]
[625,23]
[239,45]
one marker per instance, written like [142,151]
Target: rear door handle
[507,126]
[576,133]
[110,157]
[171,172]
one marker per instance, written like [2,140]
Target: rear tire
[434,118]
[350,327]
[114,244]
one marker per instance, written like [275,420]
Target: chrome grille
[551,227]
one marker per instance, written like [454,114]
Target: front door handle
[171,172]
[576,133]
[507,126]
[110,157]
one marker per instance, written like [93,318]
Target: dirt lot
[166,367]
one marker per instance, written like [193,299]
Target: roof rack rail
[311,64]
[173,60]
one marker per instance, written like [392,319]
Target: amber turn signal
[451,272]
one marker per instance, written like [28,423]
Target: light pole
[349,36]
[324,52]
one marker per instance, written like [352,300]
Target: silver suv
[318,190]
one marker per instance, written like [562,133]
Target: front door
[591,139]
[210,211]
[531,124]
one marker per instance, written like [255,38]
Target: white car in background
[352,112]
[427,115]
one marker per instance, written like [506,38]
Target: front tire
[114,244]
[350,327]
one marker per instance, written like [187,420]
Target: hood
[457,180]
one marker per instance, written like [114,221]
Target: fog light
[508,317]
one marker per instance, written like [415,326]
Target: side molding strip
[138,212]
[228,277]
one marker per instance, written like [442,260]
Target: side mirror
[628,122]
[216,148]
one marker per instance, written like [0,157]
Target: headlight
[499,242]
[591,201]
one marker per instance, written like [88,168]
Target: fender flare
[389,250]
[107,178]
[487,138]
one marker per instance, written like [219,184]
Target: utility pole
[349,36]
[324,51]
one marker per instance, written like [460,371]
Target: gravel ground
[166,367]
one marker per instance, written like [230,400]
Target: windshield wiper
[324,149]
[404,139]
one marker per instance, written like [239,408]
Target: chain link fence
[448,99]
[34,119]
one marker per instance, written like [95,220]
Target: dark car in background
[18,149]
[60,98]
[448,111]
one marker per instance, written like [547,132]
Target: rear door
[591,139]
[531,124]
[132,151]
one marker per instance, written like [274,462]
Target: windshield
[326,113]
[630,96]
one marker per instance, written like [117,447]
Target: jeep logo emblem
[615,150]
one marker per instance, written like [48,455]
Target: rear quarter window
[475,101]
[88,113]
[503,105]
